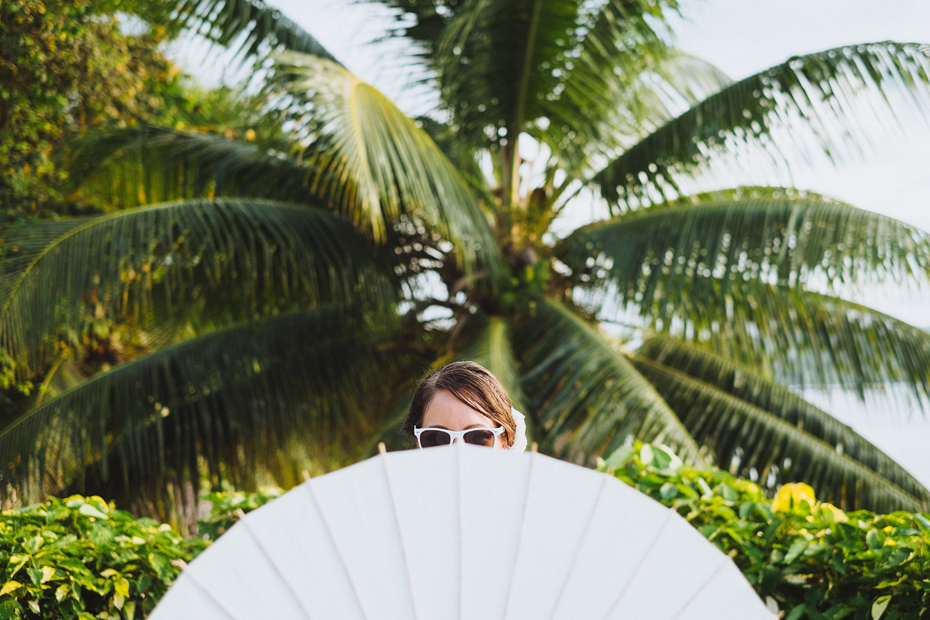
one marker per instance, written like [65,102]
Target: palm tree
[291,294]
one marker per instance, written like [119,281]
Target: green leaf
[147,416]
[796,549]
[879,606]
[619,457]
[161,564]
[601,111]
[818,94]
[797,612]
[733,427]
[17,562]
[505,64]
[147,165]
[701,247]
[249,28]
[35,575]
[752,423]
[250,254]
[374,162]
[73,565]
[10,586]
[121,587]
[733,274]
[668,491]
[492,349]
[10,610]
[599,398]
[89,511]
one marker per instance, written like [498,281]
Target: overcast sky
[743,37]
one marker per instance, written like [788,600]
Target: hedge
[810,559]
[81,558]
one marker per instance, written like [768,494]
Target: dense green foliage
[813,559]
[80,558]
[67,67]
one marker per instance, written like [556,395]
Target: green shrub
[81,558]
[811,558]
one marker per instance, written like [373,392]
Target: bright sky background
[741,37]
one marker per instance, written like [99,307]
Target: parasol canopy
[462,532]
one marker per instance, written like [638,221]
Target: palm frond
[248,27]
[584,394]
[608,105]
[500,65]
[461,154]
[754,440]
[374,161]
[147,165]
[221,401]
[828,94]
[621,82]
[492,349]
[812,340]
[743,383]
[692,79]
[732,274]
[657,256]
[498,78]
[254,256]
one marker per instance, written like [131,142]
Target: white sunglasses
[432,437]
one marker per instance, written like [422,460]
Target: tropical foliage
[289,289]
[808,558]
[67,67]
[79,558]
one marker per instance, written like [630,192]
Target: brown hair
[472,384]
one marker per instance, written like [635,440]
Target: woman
[463,401]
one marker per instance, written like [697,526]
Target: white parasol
[462,532]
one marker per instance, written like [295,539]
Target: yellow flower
[790,496]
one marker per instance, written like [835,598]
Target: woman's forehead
[446,411]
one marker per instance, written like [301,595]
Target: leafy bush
[67,67]
[80,558]
[811,558]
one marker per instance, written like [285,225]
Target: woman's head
[462,395]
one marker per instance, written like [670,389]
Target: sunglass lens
[431,439]
[480,437]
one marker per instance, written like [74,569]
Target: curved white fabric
[462,532]
[519,440]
